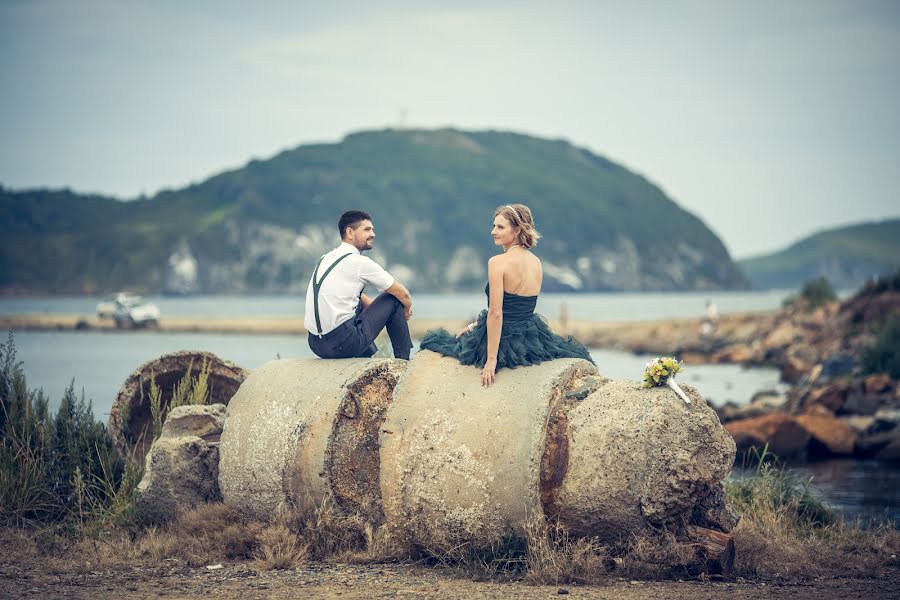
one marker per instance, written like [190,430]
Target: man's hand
[398,291]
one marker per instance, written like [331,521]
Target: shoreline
[641,336]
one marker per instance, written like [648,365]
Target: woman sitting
[508,334]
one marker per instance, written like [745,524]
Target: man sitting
[342,321]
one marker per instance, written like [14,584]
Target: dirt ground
[30,577]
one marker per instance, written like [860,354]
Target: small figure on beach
[342,321]
[708,325]
[509,333]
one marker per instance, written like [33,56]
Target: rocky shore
[834,407]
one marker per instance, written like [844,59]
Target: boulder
[733,354]
[130,422]
[860,424]
[875,384]
[828,435]
[860,403]
[762,403]
[781,432]
[870,443]
[793,369]
[181,470]
[831,396]
[781,336]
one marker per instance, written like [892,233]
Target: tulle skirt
[522,343]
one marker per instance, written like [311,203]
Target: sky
[769,120]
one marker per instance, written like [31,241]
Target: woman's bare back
[522,272]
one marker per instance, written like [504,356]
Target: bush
[884,355]
[882,284]
[814,294]
[50,467]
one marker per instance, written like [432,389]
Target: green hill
[847,257]
[431,193]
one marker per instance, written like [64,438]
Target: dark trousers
[354,338]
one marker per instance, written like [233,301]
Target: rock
[736,353]
[181,470]
[860,424]
[793,369]
[871,443]
[875,384]
[130,420]
[860,403]
[204,421]
[829,435]
[838,365]
[781,336]
[887,417]
[784,436]
[762,403]
[831,396]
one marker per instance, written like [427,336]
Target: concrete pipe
[461,463]
[130,424]
[627,458]
[300,428]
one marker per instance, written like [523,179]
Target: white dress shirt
[339,294]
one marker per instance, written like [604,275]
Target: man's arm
[399,291]
[365,301]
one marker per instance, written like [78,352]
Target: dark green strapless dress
[525,339]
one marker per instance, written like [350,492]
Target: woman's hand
[488,373]
[468,328]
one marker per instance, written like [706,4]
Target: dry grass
[785,531]
[553,556]
[279,548]
[328,531]
[782,533]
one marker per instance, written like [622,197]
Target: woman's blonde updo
[519,216]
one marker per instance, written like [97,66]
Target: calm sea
[99,362]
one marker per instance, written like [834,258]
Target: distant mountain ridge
[260,228]
[847,256]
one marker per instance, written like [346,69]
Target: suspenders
[317,286]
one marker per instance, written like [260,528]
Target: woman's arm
[494,320]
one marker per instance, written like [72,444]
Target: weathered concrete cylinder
[130,422]
[638,458]
[462,463]
[300,428]
[423,449]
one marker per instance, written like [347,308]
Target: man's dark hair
[352,218]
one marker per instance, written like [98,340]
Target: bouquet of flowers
[661,371]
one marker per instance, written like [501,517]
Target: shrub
[50,466]
[884,355]
[813,294]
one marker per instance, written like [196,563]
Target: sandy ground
[35,578]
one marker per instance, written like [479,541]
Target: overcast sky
[769,120]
